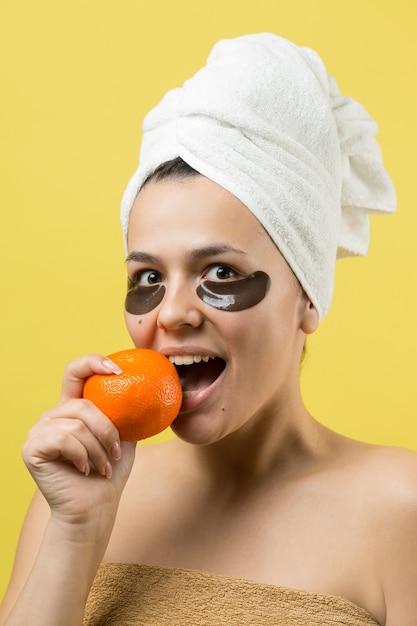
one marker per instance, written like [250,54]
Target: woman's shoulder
[390,471]
[380,482]
[386,471]
[393,478]
[375,489]
[391,487]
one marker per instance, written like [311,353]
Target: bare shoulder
[392,474]
[386,471]
[398,536]
[390,478]
[391,481]
[382,479]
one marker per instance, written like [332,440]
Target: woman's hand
[75,456]
[74,452]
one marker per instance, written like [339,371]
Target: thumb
[77,371]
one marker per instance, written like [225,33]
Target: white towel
[264,120]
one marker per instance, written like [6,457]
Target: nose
[180,308]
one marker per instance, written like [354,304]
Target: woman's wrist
[58,586]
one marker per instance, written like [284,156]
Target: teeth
[188,394]
[189,359]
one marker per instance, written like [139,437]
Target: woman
[255,513]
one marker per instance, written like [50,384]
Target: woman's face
[210,290]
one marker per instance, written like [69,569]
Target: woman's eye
[220,272]
[147,277]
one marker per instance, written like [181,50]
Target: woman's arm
[80,466]
[51,586]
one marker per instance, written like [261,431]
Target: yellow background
[76,80]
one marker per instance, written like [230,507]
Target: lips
[197,372]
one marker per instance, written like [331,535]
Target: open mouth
[197,372]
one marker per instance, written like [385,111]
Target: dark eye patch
[141,299]
[235,295]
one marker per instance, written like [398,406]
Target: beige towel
[130,594]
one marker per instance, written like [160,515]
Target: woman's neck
[271,445]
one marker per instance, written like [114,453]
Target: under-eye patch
[235,295]
[141,299]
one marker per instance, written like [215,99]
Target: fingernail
[87,469]
[108,470]
[111,367]
[116,451]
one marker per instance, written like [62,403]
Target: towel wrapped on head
[264,120]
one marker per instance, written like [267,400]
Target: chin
[195,429]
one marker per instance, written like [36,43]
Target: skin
[252,486]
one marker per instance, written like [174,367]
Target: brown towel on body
[127,594]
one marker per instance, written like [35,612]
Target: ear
[309,317]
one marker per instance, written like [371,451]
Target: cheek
[141,329]
[272,327]
[242,331]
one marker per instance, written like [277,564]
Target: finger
[88,416]
[73,435]
[56,446]
[77,371]
[69,440]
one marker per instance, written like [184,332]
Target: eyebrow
[141,257]
[193,255]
